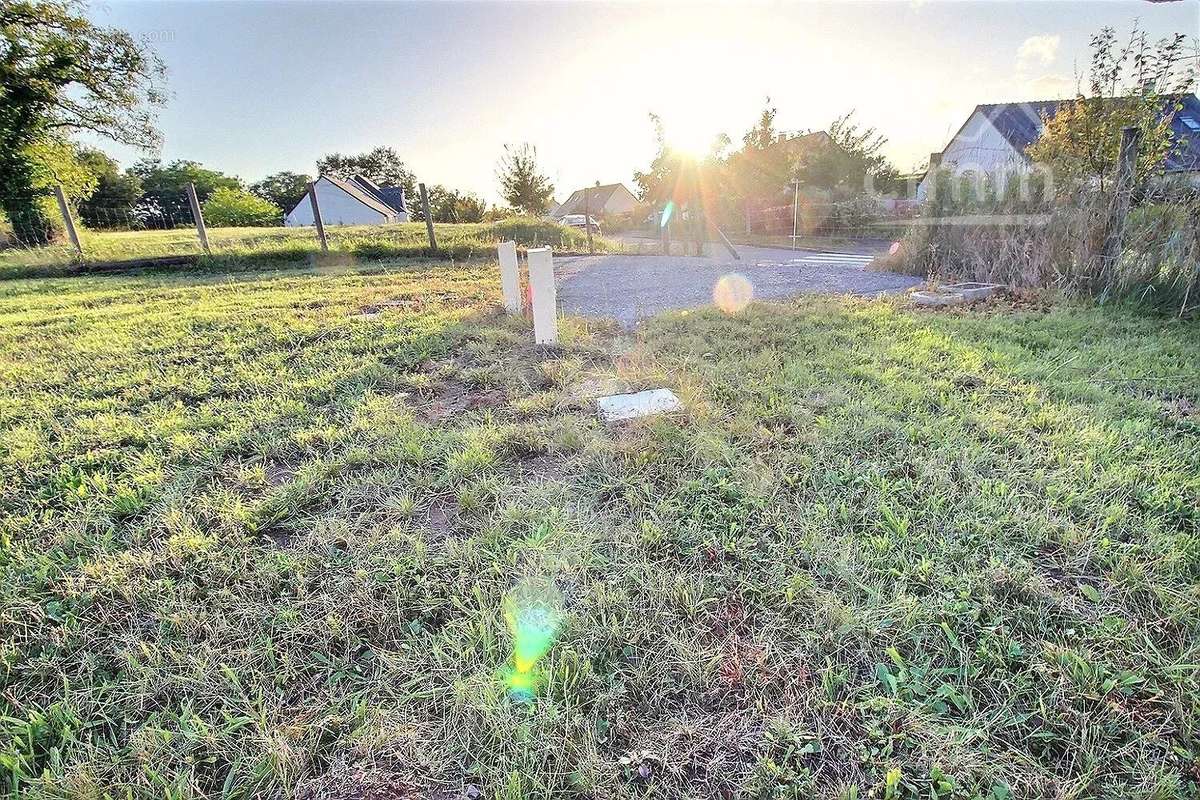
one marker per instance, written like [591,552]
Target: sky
[260,87]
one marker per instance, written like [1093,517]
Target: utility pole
[795,211]
[587,218]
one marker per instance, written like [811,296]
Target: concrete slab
[621,407]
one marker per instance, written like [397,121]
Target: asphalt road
[631,288]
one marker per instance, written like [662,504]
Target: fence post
[510,277]
[198,216]
[587,220]
[545,299]
[428,217]
[1126,162]
[65,210]
[316,209]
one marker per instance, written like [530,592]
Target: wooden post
[316,209]
[198,216]
[587,219]
[725,241]
[1126,163]
[545,298]
[428,217]
[65,210]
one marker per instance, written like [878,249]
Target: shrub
[234,208]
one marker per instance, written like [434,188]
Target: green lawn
[255,544]
[232,247]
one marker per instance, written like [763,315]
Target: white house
[599,200]
[356,201]
[993,139]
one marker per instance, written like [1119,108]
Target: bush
[234,208]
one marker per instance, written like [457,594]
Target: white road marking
[840,259]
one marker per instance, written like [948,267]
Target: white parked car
[580,221]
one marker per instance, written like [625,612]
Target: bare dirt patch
[439,518]
[455,397]
[544,468]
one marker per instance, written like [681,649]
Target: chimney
[935,160]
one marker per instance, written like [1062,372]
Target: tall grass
[1014,232]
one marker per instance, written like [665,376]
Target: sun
[692,143]
[692,138]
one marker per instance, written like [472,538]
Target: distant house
[993,139]
[354,201]
[600,201]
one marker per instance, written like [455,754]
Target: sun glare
[692,142]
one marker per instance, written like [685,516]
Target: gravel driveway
[630,288]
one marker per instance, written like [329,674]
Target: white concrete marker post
[510,277]
[545,299]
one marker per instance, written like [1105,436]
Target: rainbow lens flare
[668,212]
[533,611]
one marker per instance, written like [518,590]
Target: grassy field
[257,543]
[232,247]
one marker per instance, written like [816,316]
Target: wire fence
[40,236]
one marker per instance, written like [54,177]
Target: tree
[235,208]
[521,184]
[1134,84]
[284,189]
[381,165]
[447,205]
[115,195]
[165,187]
[760,172]
[60,73]
[848,162]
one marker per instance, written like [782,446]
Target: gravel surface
[631,288]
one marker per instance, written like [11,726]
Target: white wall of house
[981,149]
[337,208]
[621,201]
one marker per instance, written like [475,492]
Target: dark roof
[597,198]
[1185,154]
[361,194]
[390,196]
[394,197]
[1021,124]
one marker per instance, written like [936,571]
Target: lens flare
[732,293]
[668,211]
[533,611]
